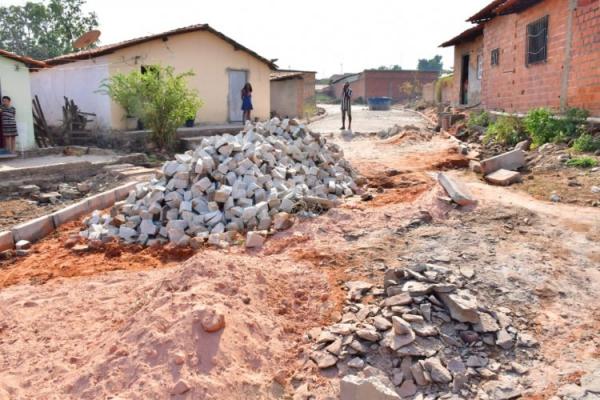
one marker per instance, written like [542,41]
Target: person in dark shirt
[8,116]
[346,106]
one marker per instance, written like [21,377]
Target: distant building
[293,93]
[383,83]
[523,54]
[220,64]
[15,83]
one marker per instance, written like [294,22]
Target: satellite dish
[87,39]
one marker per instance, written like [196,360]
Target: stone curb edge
[41,227]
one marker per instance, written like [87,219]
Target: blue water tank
[379,103]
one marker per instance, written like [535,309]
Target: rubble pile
[252,181]
[424,333]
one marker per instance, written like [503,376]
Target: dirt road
[132,334]
[363,120]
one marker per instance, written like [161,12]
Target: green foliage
[440,84]
[44,30]
[395,67]
[164,102]
[541,125]
[505,130]
[544,127]
[583,162]
[323,98]
[433,64]
[481,118]
[574,122]
[585,143]
[125,90]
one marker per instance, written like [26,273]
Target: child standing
[9,124]
[247,101]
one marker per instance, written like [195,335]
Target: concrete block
[33,230]
[503,177]
[511,160]
[457,192]
[122,191]
[70,213]
[6,240]
[102,200]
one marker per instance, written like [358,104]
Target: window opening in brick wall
[537,41]
[495,57]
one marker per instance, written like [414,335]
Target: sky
[327,36]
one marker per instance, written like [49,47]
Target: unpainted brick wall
[514,86]
[584,76]
[389,83]
[473,49]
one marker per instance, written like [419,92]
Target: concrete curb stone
[33,230]
[6,240]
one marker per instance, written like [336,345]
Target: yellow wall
[15,84]
[209,57]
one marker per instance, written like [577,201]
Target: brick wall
[514,86]
[584,76]
[358,88]
[389,83]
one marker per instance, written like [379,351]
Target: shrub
[164,102]
[544,127]
[585,143]
[125,91]
[582,162]
[441,84]
[506,130]
[481,118]
[541,125]
[574,122]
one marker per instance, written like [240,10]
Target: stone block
[102,200]
[33,230]
[457,192]
[70,213]
[503,177]
[6,240]
[511,160]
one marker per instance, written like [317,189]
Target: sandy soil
[127,327]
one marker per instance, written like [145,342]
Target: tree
[433,64]
[412,89]
[44,30]
[395,67]
[163,100]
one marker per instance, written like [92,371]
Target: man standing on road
[346,106]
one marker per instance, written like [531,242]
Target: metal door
[237,80]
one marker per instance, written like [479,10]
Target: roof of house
[111,48]
[347,77]
[501,7]
[25,60]
[283,74]
[466,36]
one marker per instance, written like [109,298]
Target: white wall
[14,81]
[80,82]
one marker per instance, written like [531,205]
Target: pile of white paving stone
[252,182]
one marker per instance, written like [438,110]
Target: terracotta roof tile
[25,60]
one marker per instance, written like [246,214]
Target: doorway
[464,80]
[237,80]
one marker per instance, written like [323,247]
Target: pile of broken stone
[423,334]
[252,181]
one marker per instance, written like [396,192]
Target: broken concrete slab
[511,160]
[353,387]
[503,177]
[457,192]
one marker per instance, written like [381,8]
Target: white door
[237,80]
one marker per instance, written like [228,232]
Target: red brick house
[524,54]
[382,83]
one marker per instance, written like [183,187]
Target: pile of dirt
[229,184]
[422,331]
